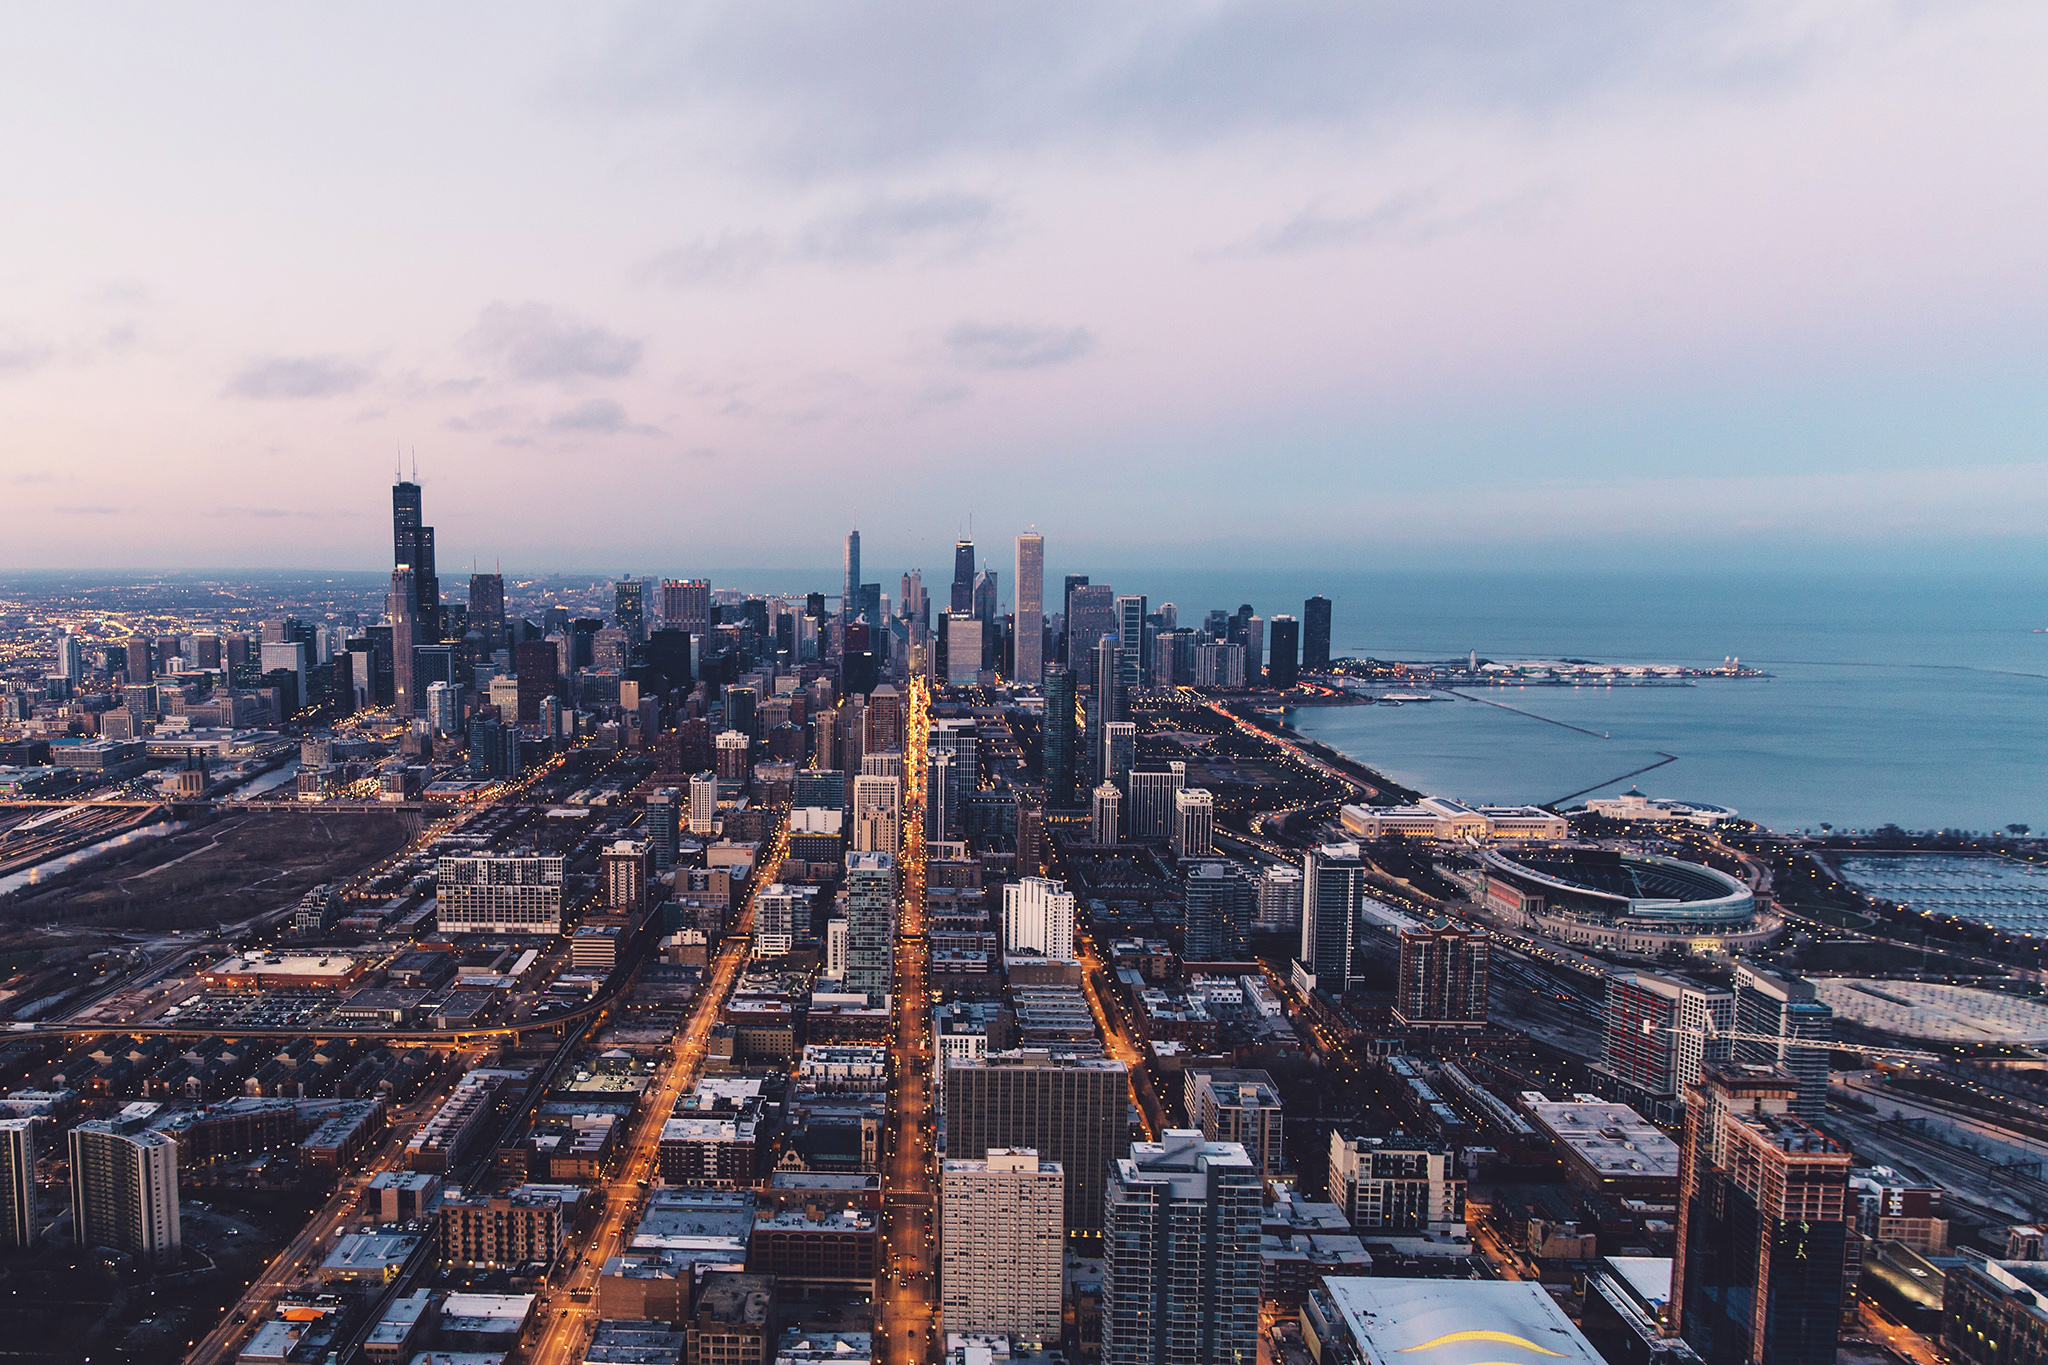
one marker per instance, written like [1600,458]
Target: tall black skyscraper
[1283,652]
[629,608]
[1315,635]
[487,608]
[412,547]
[1059,738]
[963,576]
[849,597]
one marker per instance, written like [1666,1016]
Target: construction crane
[1902,1054]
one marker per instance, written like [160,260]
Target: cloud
[533,342]
[89,509]
[21,357]
[484,419]
[820,92]
[729,258]
[600,416]
[41,476]
[276,513]
[941,224]
[312,376]
[1014,347]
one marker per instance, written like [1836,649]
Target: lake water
[1919,702]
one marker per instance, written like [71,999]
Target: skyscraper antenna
[415,464]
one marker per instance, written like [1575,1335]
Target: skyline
[1633,281]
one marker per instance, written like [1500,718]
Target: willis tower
[412,547]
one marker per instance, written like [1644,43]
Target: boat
[1396,698]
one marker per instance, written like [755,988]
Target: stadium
[1633,902]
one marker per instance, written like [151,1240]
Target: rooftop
[1456,1322]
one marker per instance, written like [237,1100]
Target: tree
[2016,829]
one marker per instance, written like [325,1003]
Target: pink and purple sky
[1280,284]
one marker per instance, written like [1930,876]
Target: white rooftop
[1457,1322]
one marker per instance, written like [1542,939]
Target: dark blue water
[1917,701]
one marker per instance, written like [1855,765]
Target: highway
[907,1289]
[570,1309]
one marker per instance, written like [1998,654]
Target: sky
[646,288]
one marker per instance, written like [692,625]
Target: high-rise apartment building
[703,803]
[515,894]
[871,924]
[877,813]
[1241,1107]
[1070,1110]
[1782,1006]
[1218,904]
[849,592]
[1194,823]
[1102,821]
[1003,1244]
[124,1189]
[1152,791]
[1091,614]
[1130,636]
[1279,898]
[1181,1228]
[1763,1223]
[1029,649]
[1443,977]
[1283,667]
[733,752]
[1659,1031]
[623,870]
[1119,751]
[664,826]
[538,666]
[1060,731]
[1332,894]
[1315,635]
[1038,916]
[20,1224]
[1398,1184]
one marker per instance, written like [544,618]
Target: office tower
[630,608]
[1059,739]
[1443,977]
[823,787]
[1107,704]
[538,666]
[444,707]
[1038,916]
[1241,1107]
[1194,823]
[1073,581]
[124,1189]
[849,592]
[520,893]
[1332,894]
[963,577]
[1763,1223]
[1283,670]
[1279,898]
[870,610]
[71,659]
[1030,647]
[1119,751]
[877,814]
[487,609]
[1315,635]
[1130,632]
[1659,1031]
[1003,1244]
[1396,1184]
[686,604]
[1782,1006]
[703,803]
[412,547]
[664,826]
[870,925]
[1152,790]
[740,705]
[20,1226]
[964,640]
[1254,651]
[138,666]
[884,720]
[1219,903]
[1181,1246]
[1072,1110]
[734,750]
[886,764]
[404,636]
[1103,822]
[1091,614]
